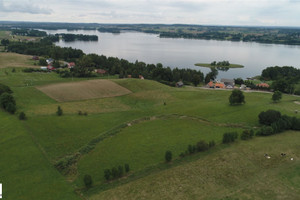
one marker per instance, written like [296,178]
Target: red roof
[100,71]
[263,85]
[210,84]
[71,65]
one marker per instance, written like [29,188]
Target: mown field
[83,90]
[137,128]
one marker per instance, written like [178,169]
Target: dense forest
[72,37]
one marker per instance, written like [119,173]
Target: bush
[127,169]
[191,149]
[8,103]
[59,111]
[229,137]
[277,95]
[87,181]
[265,131]
[211,143]
[22,116]
[268,117]
[107,174]
[202,146]
[168,156]
[247,134]
[5,88]
[114,172]
[236,97]
[120,171]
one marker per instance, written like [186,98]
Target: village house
[179,84]
[141,77]
[71,65]
[263,85]
[228,82]
[100,71]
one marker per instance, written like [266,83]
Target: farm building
[71,65]
[179,84]
[263,85]
[211,84]
[100,71]
[228,82]
[220,85]
[141,77]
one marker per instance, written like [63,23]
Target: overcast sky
[206,12]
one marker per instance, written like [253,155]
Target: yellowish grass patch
[15,60]
[83,90]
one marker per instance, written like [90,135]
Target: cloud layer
[212,12]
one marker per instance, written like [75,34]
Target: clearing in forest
[83,90]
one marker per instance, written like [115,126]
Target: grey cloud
[24,7]
[187,6]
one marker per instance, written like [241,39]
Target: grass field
[83,90]
[209,65]
[137,128]
[238,172]
[15,60]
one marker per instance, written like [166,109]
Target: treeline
[29,32]
[290,39]
[45,48]
[109,30]
[115,66]
[72,37]
[284,78]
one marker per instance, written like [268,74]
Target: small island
[221,65]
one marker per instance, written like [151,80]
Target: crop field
[136,123]
[83,90]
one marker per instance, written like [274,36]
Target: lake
[184,53]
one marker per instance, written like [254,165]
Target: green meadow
[138,128]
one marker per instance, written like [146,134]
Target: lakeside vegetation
[221,65]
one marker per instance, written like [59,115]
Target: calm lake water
[184,53]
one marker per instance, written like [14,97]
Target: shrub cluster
[229,137]
[198,147]
[30,70]
[88,182]
[276,123]
[7,102]
[116,172]
[247,134]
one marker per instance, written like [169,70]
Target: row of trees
[115,66]
[45,48]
